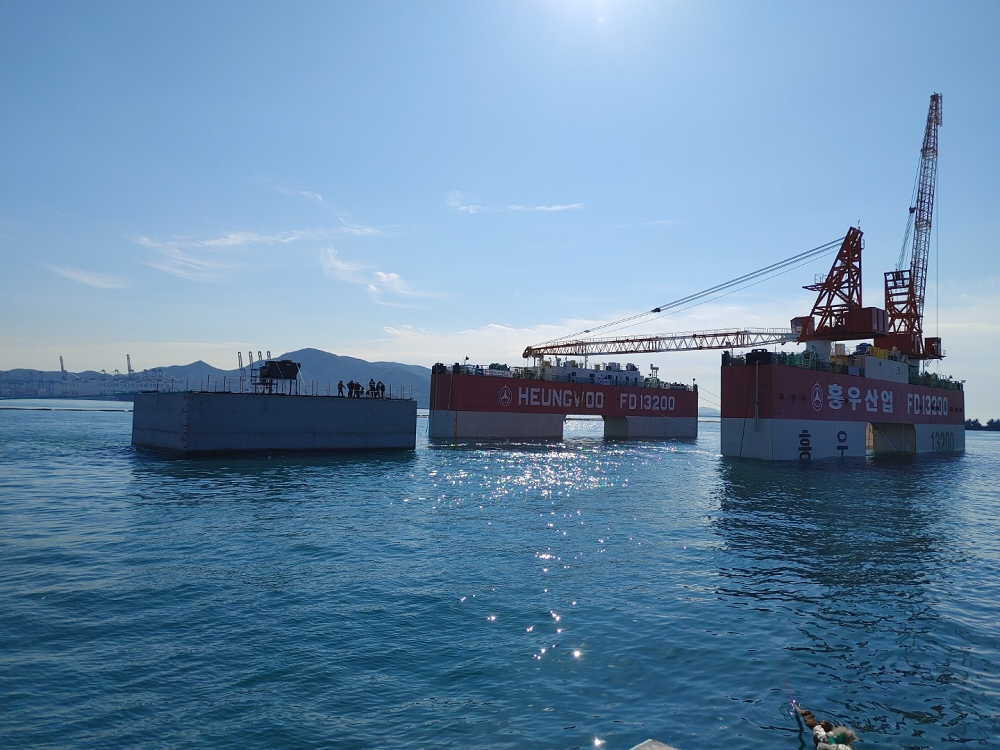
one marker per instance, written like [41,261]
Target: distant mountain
[319,367]
[196,372]
[707,411]
[326,368]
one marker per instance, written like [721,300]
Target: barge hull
[486,407]
[776,413]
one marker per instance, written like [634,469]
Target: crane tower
[905,287]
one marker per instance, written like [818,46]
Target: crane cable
[909,222]
[719,290]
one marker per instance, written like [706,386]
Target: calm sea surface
[564,595]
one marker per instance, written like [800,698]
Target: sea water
[580,593]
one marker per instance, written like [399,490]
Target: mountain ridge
[323,368]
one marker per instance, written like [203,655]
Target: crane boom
[905,288]
[671,342]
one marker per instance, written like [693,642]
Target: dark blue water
[562,595]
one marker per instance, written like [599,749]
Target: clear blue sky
[428,181]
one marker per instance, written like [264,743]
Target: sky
[424,182]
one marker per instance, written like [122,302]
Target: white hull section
[805,439]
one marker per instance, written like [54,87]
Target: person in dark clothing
[340,388]
[371,388]
[381,389]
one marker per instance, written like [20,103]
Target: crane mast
[905,288]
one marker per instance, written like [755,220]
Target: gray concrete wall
[488,425]
[194,423]
[651,427]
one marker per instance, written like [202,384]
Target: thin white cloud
[360,230]
[184,265]
[315,197]
[456,200]
[557,207]
[335,268]
[90,278]
[294,192]
[233,239]
[383,287]
[242,239]
[212,259]
[346,225]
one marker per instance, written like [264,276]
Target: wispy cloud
[456,200]
[557,207]
[336,268]
[271,182]
[383,287]
[359,230]
[315,197]
[217,258]
[184,265]
[90,278]
[346,225]
[199,260]
[213,258]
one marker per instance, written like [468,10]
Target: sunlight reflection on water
[564,594]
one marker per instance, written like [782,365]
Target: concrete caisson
[193,423]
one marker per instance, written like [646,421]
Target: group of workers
[357,390]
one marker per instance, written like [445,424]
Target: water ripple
[498,595]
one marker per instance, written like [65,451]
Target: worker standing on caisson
[340,388]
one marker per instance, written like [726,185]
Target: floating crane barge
[824,402]
[831,402]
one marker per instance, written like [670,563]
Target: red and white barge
[498,402]
[778,406]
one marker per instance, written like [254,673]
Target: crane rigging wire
[726,293]
[909,221]
[699,298]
